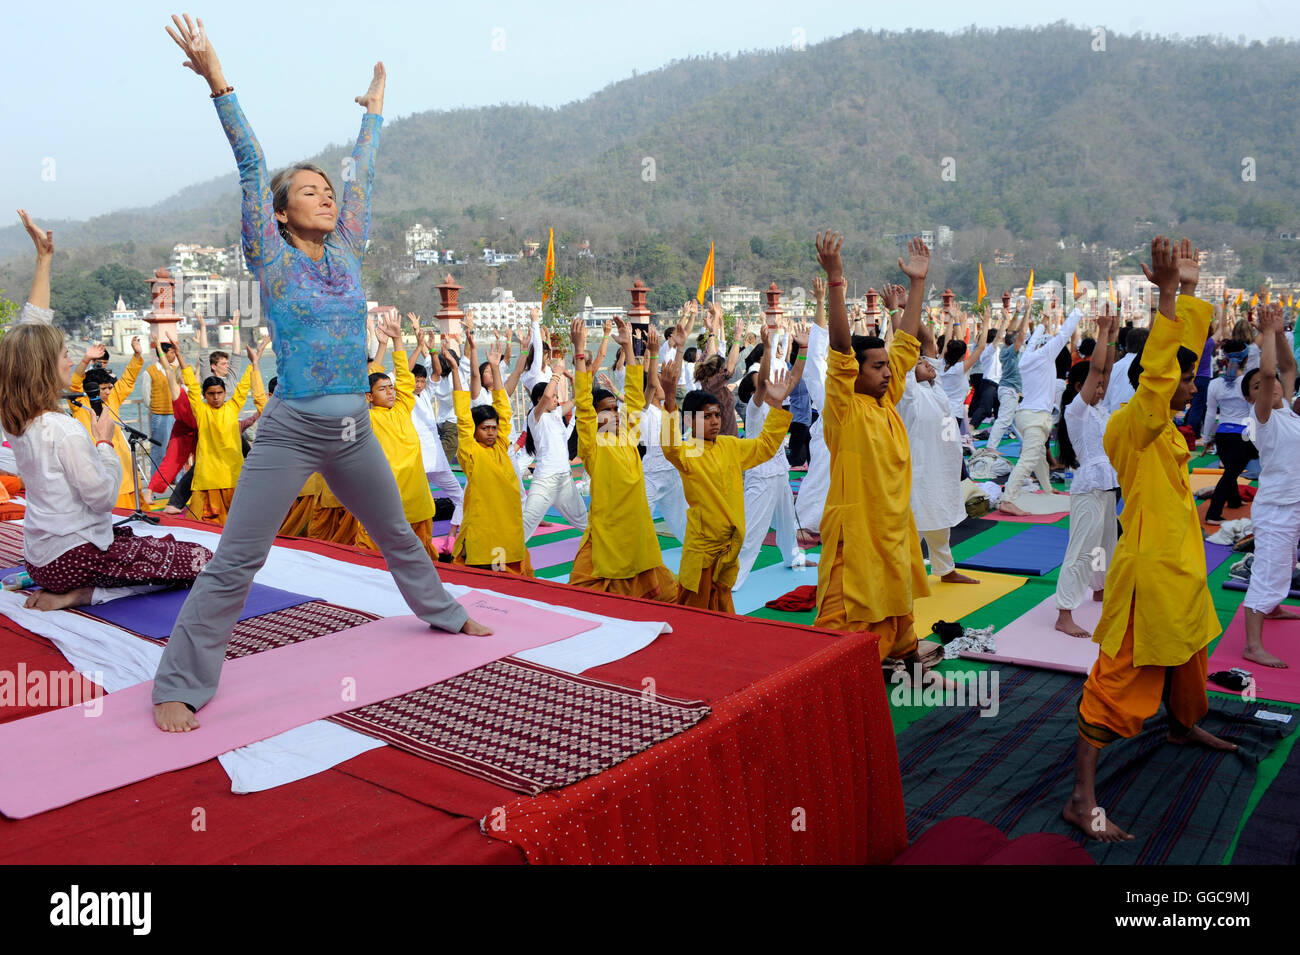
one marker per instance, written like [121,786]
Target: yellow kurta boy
[121,391]
[619,552]
[492,531]
[219,455]
[875,571]
[713,477]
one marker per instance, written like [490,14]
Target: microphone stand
[137,439]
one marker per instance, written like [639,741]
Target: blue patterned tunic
[316,311]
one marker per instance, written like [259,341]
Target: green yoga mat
[1015,771]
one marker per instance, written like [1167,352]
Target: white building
[199,258]
[741,298]
[418,238]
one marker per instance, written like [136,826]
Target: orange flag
[1254,300]
[1076,286]
[983,289]
[1029,289]
[1240,296]
[1110,288]
[706,277]
[1268,296]
[548,277]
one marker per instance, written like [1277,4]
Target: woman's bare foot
[476,629]
[1282,613]
[1065,623]
[1010,507]
[174,718]
[953,577]
[1202,738]
[1264,658]
[1093,822]
[44,600]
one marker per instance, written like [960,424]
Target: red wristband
[834,282]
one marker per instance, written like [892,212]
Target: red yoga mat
[57,758]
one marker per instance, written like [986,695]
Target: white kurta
[936,462]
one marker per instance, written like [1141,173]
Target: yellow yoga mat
[954,601]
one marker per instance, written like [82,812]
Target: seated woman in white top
[1094,486]
[1275,515]
[71,549]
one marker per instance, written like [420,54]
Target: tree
[667,297]
[8,310]
[561,304]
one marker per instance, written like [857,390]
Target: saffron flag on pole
[1240,296]
[1268,296]
[1110,288]
[1076,286]
[1029,289]
[548,277]
[983,289]
[706,277]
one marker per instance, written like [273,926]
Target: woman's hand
[373,98]
[43,239]
[199,54]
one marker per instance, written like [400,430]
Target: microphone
[134,434]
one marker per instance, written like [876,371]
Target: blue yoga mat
[153,615]
[1037,550]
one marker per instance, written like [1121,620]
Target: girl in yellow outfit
[713,468]
[1158,618]
[390,419]
[492,532]
[111,393]
[219,455]
[871,569]
[619,552]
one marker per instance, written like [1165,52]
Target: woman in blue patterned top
[306,252]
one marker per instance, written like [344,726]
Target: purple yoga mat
[556,552]
[1216,554]
[153,615]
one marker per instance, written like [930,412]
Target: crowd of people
[699,426]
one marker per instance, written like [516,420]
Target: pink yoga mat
[996,515]
[556,552]
[56,758]
[1033,640]
[1281,638]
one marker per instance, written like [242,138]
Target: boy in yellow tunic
[390,419]
[619,552]
[1157,618]
[111,394]
[871,569]
[219,455]
[492,531]
[713,468]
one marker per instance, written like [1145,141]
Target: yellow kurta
[219,455]
[869,504]
[623,541]
[1159,564]
[160,391]
[121,391]
[713,476]
[492,529]
[397,436]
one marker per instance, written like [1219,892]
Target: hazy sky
[101,116]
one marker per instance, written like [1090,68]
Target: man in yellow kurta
[112,394]
[875,570]
[492,530]
[713,468]
[219,454]
[390,419]
[1157,619]
[619,552]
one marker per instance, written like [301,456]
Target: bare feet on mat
[1202,738]
[1282,613]
[174,718]
[1093,822]
[954,577]
[1010,507]
[1065,623]
[44,600]
[1264,658]
[476,629]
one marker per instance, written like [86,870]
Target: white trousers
[939,550]
[1034,427]
[1008,405]
[812,491]
[769,502]
[663,490]
[1093,532]
[446,482]
[1277,530]
[558,491]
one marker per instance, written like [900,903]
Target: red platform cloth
[963,840]
[796,764]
